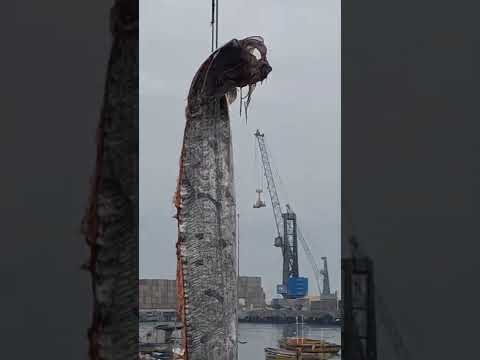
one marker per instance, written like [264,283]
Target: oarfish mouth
[265,70]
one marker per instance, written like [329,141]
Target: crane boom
[311,260]
[277,210]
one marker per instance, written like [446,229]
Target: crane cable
[238,244]
[281,188]
[214,25]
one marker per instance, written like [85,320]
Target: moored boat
[283,354]
[307,345]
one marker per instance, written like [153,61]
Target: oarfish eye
[256,53]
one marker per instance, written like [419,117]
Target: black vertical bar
[371,330]
[216,28]
[347,333]
[295,245]
[286,260]
[213,23]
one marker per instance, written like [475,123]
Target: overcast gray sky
[298,109]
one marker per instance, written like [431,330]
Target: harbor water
[259,336]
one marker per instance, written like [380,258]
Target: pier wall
[157,294]
[161,293]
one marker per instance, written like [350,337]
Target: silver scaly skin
[111,225]
[205,201]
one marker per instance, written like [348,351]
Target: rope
[255,162]
[238,244]
[241,101]
[238,268]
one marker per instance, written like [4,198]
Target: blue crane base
[297,287]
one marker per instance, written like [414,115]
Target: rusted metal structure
[205,202]
[359,324]
[364,308]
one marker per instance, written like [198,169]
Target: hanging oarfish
[111,225]
[205,202]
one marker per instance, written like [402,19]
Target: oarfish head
[236,64]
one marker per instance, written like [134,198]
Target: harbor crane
[364,306]
[293,286]
[326,279]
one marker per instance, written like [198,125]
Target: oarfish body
[111,225]
[205,201]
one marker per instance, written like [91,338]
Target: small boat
[282,354]
[309,345]
[279,354]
